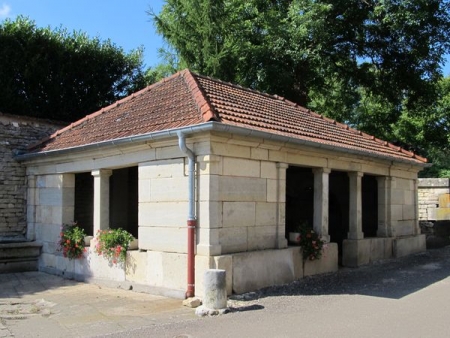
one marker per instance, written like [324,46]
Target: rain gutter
[217,127]
[192,220]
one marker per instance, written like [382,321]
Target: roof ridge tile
[204,107]
[233,85]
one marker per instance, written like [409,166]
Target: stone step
[19,257]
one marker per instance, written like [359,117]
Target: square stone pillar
[31,207]
[281,241]
[355,217]
[321,193]
[209,209]
[101,199]
[384,206]
[416,207]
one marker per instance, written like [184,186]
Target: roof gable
[187,99]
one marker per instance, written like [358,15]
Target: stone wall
[434,199]
[16,133]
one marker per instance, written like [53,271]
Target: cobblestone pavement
[35,304]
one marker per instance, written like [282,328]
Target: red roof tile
[186,99]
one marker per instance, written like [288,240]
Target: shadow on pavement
[394,278]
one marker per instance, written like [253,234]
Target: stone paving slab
[36,304]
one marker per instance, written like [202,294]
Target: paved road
[409,297]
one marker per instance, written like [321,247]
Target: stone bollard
[215,295]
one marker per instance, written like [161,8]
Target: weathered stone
[434,199]
[16,134]
[192,302]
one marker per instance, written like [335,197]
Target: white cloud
[4,11]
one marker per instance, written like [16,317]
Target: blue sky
[126,23]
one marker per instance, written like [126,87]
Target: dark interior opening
[84,202]
[123,202]
[338,212]
[299,197]
[369,192]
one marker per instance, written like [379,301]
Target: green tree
[427,127]
[373,64]
[393,49]
[59,75]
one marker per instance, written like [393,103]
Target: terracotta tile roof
[187,99]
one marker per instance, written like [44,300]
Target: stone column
[31,207]
[355,217]
[281,241]
[416,207]
[209,169]
[101,199]
[321,193]
[383,206]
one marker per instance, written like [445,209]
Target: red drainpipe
[191,226]
[192,221]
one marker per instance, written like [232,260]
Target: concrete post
[101,199]
[321,193]
[355,217]
[215,285]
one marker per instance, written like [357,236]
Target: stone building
[239,168]
[16,134]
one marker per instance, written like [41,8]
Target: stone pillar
[281,241]
[383,206]
[101,199]
[416,207]
[209,168]
[355,217]
[321,193]
[31,207]
[392,220]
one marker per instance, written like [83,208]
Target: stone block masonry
[434,197]
[16,134]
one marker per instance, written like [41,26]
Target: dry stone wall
[434,199]
[16,133]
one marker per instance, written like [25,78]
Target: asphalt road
[408,297]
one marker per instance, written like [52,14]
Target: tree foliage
[374,64]
[293,47]
[60,75]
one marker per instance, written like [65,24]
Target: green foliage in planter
[312,245]
[71,241]
[113,244]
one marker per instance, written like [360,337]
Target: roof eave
[219,127]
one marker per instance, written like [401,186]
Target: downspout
[191,221]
